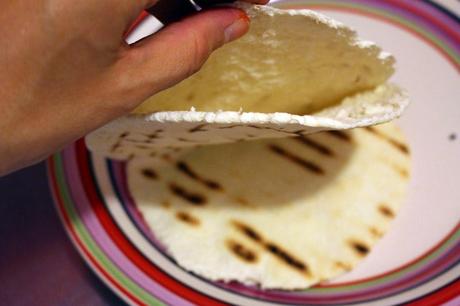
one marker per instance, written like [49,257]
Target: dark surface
[169,11]
[38,264]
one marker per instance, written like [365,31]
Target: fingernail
[237,29]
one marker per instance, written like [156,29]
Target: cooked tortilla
[286,213]
[296,72]
[292,61]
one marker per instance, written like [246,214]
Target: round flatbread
[296,72]
[286,213]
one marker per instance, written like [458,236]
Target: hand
[65,69]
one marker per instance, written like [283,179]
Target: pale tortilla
[286,213]
[296,72]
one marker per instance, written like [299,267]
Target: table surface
[38,264]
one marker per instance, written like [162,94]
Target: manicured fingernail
[237,29]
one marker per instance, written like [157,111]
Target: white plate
[417,261]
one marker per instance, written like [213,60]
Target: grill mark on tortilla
[243,201]
[318,147]
[187,218]
[135,140]
[395,143]
[271,247]
[375,232]
[149,173]
[237,140]
[198,128]
[143,147]
[155,134]
[258,128]
[124,135]
[300,133]
[360,248]
[184,168]
[190,96]
[340,135]
[191,197]
[272,129]
[166,157]
[187,140]
[248,231]
[343,266]
[306,164]
[386,211]
[166,204]
[230,126]
[115,147]
[241,251]
[131,156]
[402,171]
[286,257]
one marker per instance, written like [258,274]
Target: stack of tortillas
[279,212]
[296,72]
[285,213]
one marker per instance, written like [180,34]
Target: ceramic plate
[418,261]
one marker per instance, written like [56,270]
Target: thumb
[176,52]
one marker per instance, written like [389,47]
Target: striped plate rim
[425,19]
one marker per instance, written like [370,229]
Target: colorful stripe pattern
[107,246]
[92,199]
